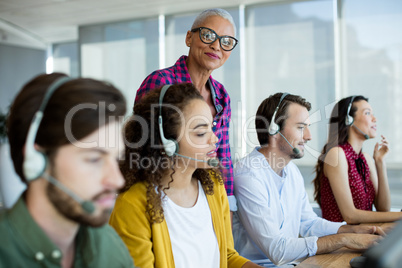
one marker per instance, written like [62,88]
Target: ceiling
[37,23]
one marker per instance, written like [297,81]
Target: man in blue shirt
[275,223]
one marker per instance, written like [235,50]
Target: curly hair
[143,141]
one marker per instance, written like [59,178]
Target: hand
[389,227]
[361,241]
[381,149]
[375,230]
[361,229]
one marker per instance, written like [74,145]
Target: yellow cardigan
[149,244]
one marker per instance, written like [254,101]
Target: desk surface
[337,259]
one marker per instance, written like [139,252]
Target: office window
[290,48]
[372,66]
[287,47]
[123,53]
[65,58]
[176,28]
[18,65]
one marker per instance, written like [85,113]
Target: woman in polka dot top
[349,182]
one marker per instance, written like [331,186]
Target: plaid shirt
[178,73]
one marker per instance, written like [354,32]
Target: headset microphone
[87,206]
[295,150]
[274,127]
[364,134]
[213,162]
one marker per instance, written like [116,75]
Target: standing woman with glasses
[210,41]
[349,182]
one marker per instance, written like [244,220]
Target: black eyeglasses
[209,36]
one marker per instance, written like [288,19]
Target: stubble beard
[72,210]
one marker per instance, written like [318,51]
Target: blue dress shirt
[274,220]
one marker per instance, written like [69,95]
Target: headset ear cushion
[171,147]
[273,129]
[34,165]
[349,120]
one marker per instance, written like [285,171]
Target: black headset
[171,146]
[274,127]
[35,162]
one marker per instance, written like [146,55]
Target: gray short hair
[213,12]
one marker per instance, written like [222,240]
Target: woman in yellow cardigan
[174,210]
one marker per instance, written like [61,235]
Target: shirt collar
[260,155]
[214,88]
[181,63]
[28,232]
[353,154]
[86,245]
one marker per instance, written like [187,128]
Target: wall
[17,66]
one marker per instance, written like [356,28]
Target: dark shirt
[360,186]
[24,244]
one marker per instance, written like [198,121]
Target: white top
[272,211]
[194,242]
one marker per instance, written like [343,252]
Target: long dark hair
[338,134]
[145,158]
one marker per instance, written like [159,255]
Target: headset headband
[349,119]
[171,146]
[274,127]
[34,161]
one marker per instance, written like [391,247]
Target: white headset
[349,119]
[171,146]
[274,127]
[35,162]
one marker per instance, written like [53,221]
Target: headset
[35,162]
[349,119]
[171,146]
[274,127]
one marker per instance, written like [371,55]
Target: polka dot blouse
[360,186]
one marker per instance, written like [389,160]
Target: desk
[337,259]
